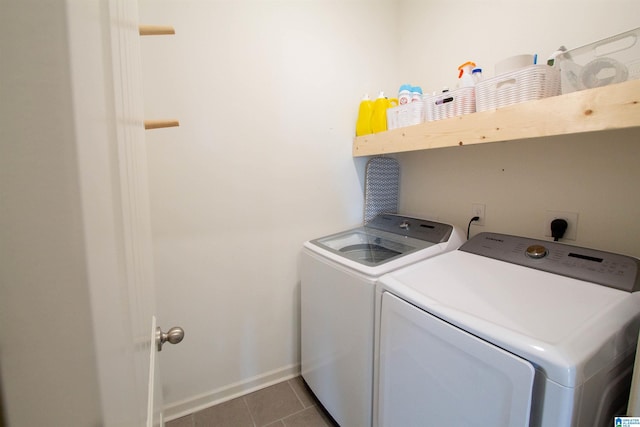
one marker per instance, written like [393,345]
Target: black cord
[475,218]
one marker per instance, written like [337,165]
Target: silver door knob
[174,336]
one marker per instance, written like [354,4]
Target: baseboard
[231,391]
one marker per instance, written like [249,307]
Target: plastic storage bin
[405,115]
[526,84]
[450,104]
[612,60]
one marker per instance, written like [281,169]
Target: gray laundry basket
[381,187]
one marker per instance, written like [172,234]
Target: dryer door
[434,374]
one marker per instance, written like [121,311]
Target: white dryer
[508,331]
[338,278]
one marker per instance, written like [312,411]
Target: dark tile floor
[286,404]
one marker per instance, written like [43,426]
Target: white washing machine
[508,331]
[338,278]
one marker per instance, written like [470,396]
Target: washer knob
[536,251]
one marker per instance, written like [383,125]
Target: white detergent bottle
[404,94]
[477,75]
[416,94]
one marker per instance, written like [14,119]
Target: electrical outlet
[477,209]
[570,217]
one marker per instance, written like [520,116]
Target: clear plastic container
[612,60]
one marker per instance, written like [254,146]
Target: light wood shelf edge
[606,108]
[157,124]
[155,30]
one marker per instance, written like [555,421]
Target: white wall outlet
[477,209]
[570,217]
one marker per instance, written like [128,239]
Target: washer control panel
[605,268]
[415,228]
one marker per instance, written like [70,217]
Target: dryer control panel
[604,268]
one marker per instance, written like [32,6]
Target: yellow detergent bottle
[379,115]
[363,124]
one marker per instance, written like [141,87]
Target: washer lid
[386,238]
[568,327]
[369,246]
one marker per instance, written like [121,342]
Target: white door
[115,178]
[136,231]
[434,374]
[77,341]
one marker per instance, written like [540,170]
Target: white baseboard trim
[228,392]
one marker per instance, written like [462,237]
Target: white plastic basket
[526,84]
[405,115]
[450,104]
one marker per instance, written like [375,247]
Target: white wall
[266,93]
[594,174]
[439,35]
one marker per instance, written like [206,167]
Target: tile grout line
[304,408]
[246,405]
[296,413]
[296,394]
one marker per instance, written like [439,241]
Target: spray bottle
[465,76]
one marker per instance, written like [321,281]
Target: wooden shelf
[610,107]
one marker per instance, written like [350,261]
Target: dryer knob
[536,251]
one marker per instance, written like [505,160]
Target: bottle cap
[405,87]
[417,89]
